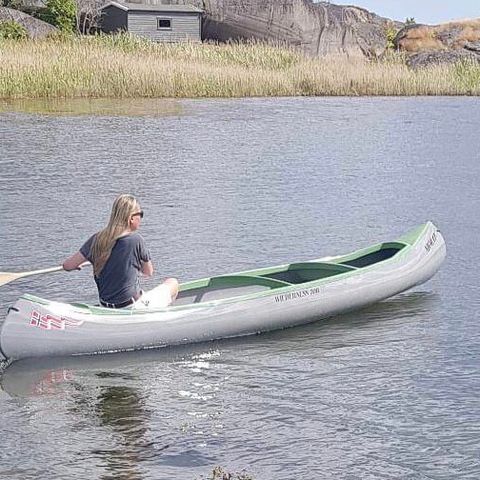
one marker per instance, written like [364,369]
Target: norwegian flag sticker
[50,322]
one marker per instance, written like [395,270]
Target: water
[387,392]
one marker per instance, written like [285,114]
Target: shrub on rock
[11,29]
[35,28]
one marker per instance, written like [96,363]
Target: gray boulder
[472,47]
[36,28]
[425,59]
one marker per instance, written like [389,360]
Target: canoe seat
[308,271]
[386,251]
[246,280]
[226,286]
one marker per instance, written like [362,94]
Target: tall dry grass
[125,66]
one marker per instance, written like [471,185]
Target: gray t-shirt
[118,281]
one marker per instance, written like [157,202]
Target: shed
[161,23]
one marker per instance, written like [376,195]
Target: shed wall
[114,19]
[185,26]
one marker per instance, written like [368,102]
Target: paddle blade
[7,277]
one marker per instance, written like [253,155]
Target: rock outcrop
[447,43]
[36,28]
[318,28]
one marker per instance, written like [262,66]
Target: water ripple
[387,392]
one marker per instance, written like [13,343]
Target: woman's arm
[74,262]
[147,268]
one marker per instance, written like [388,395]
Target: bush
[60,36]
[12,30]
[390,32]
[61,13]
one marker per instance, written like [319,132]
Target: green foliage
[61,36]
[61,13]
[15,4]
[410,21]
[390,32]
[12,30]
[126,42]
[467,75]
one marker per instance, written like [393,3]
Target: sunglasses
[140,213]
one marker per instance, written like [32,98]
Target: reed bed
[123,66]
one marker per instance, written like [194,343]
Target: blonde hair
[123,208]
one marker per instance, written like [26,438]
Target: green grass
[124,66]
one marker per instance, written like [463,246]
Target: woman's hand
[75,262]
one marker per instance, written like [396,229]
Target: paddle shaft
[7,277]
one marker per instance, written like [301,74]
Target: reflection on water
[145,107]
[48,376]
[409,305]
[122,411]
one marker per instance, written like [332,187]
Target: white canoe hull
[38,329]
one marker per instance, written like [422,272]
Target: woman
[118,255]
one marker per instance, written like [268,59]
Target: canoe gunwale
[107,312]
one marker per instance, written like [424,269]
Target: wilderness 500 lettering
[284,297]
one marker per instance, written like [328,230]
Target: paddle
[7,277]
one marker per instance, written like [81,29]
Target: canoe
[225,306]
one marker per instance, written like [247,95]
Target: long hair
[123,207]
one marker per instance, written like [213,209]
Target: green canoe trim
[240,278]
[411,237]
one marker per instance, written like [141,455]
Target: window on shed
[164,23]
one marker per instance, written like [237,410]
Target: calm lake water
[388,392]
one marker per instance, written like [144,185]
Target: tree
[88,15]
[62,13]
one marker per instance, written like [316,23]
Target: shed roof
[135,7]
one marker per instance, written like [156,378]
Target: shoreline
[161,107]
[123,66]
[165,107]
